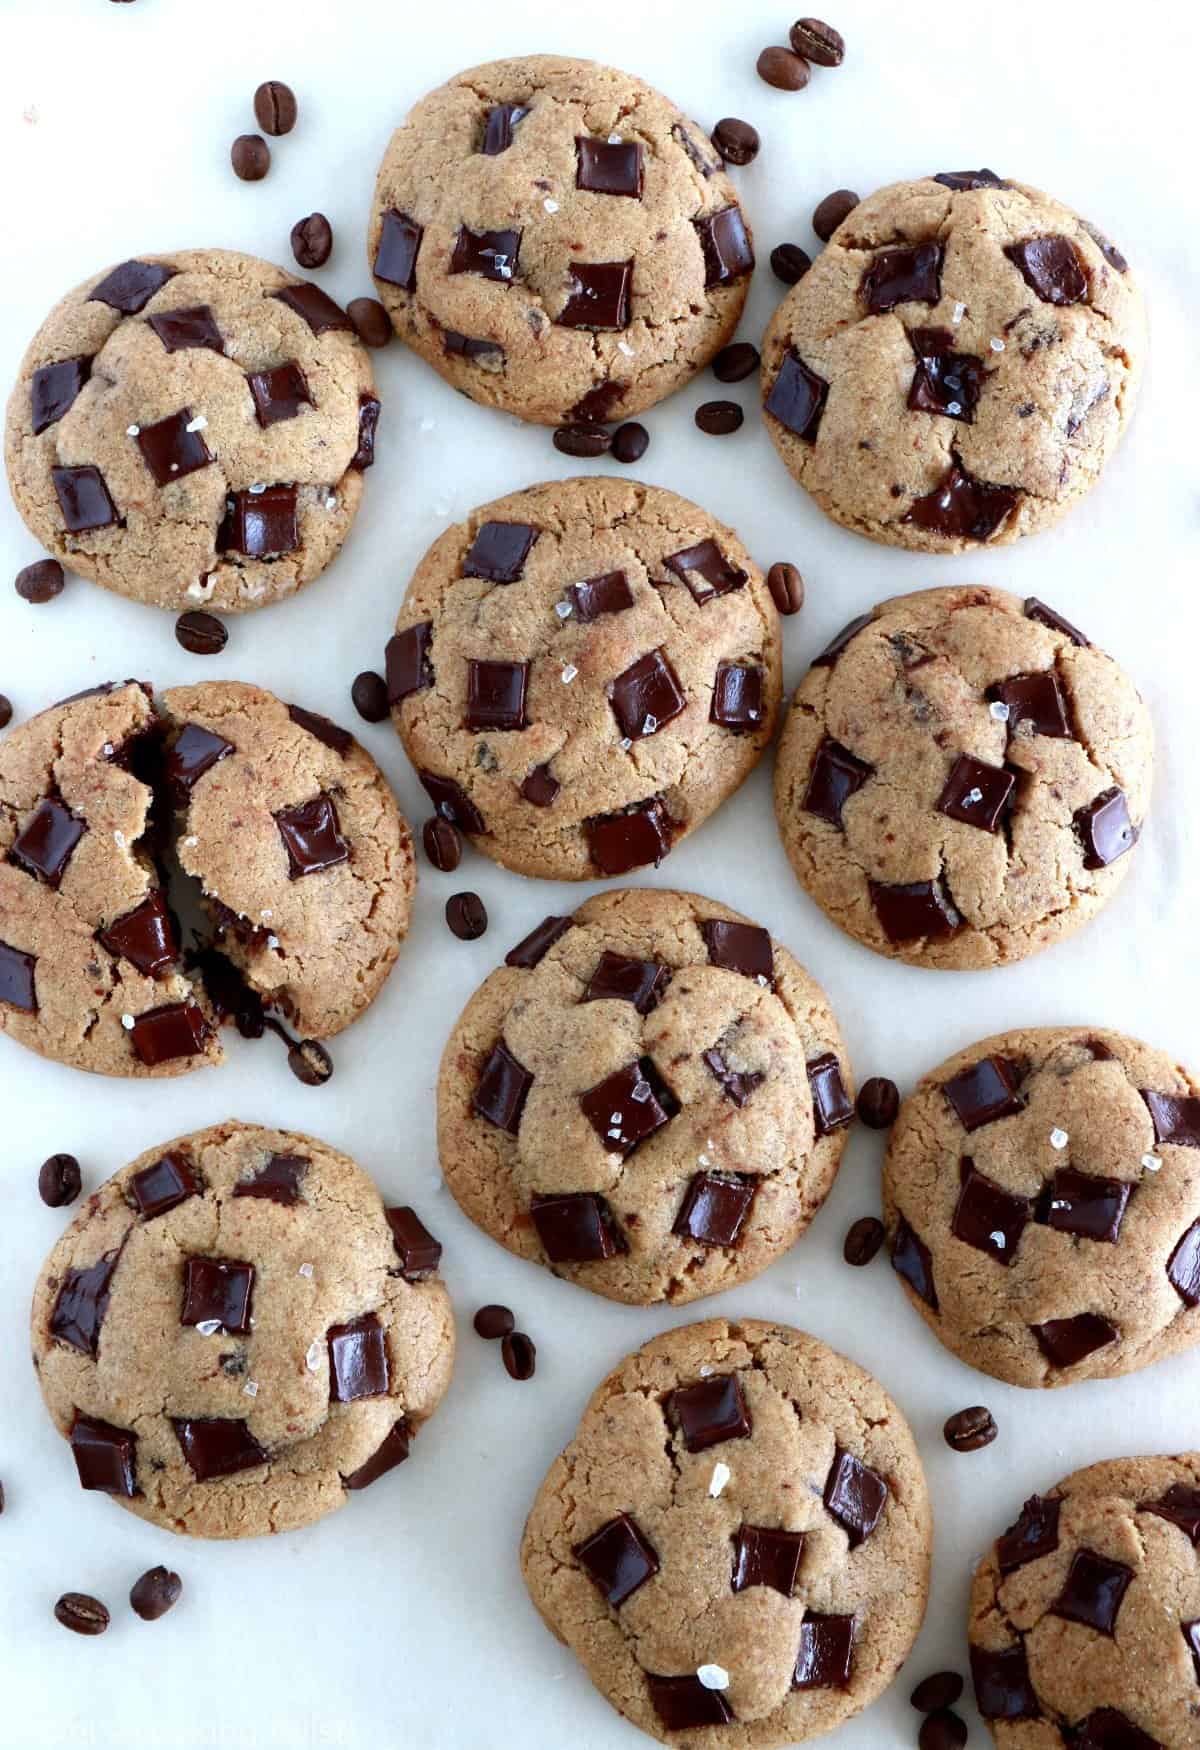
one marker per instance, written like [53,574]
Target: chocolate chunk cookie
[303,862]
[1042,1201]
[558,240]
[650,1098]
[736,1542]
[192,429]
[234,1332]
[582,672]
[961,778]
[958,366]
[1085,1613]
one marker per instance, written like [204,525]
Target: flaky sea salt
[132,430]
[305,1270]
[550,206]
[713,1676]
[996,344]
[972,796]
[312,1359]
[119,840]
[127,1023]
[197,424]
[960,311]
[1059,1138]
[1152,1163]
[569,673]
[250,1389]
[208,1327]
[999,710]
[998,1240]
[721,1475]
[623,346]
[649,724]
[705,1370]
[563,610]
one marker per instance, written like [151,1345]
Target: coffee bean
[443,844]
[937,1692]
[734,363]
[790,263]
[519,1355]
[1,1497]
[817,42]
[275,107]
[942,1731]
[719,418]
[310,1063]
[493,1321]
[154,1593]
[582,440]
[201,634]
[40,582]
[6,711]
[59,1181]
[85,1615]
[863,1241]
[878,1103]
[630,442]
[735,140]
[370,696]
[787,588]
[466,915]
[832,210]
[371,321]
[250,156]
[970,1430]
[312,241]
[782,69]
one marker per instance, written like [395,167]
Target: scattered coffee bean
[970,1430]
[201,634]
[818,42]
[719,418]
[250,156]
[735,140]
[783,69]
[310,1063]
[863,1241]
[371,321]
[443,843]
[6,711]
[466,915]
[942,1731]
[878,1103]
[937,1692]
[790,263]
[275,107]
[312,240]
[832,210]
[82,1614]
[1,1497]
[370,696]
[59,1181]
[154,1593]
[40,582]
[787,588]
[630,442]
[493,1321]
[582,440]
[519,1355]
[734,363]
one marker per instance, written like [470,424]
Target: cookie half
[1085,1614]
[234,1332]
[650,1098]
[193,428]
[582,672]
[285,824]
[962,777]
[958,365]
[1042,1200]
[736,1543]
[556,239]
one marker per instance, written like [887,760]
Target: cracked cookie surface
[557,240]
[582,672]
[191,429]
[1084,1618]
[962,777]
[650,1098]
[958,365]
[1042,1201]
[234,1332]
[740,1507]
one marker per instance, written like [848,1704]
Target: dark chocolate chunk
[261,524]
[1180,1506]
[499,551]
[278,1180]
[725,246]
[964,179]
[736,1084]
[1003,1688]
[331,734]
[836,775]
[576,1227]
[1176,1118]
[598,406]
[628,1106]
[216,1447]
[832,1108]
[599,296]
[311,837]
[1051,267]
[196,751]
[159,1187]
[494,255]
[838,644]
[316,307]
[369,408]
[419,1253]
[1107,1728]
[1035,699]
[608,166]
[914,911]
[988,1217]
[175,1030]
[145,936]
[705,165]
[902,276]
[1092,1591]
[743,948]
[396,257]
[962,507]
[59,1181]
[944,381]
[496,695]
[498,127]
[1104,829]
[358,1361]
[217,1291]
[171,449]
[1183,1266]
[706,571]
[1064,1342]
[1032,1536]
[618,978]
[130,287]
[714,1211]
[531,949]
[502,1090]
[983,1092]
[1036,610]
[911,1259]
[17,984]
[279,393]
[195,326]
[452,802]
[855,1495]
[737,701]
[618,1559]
[620,842]
[81,1304]
[607,594]
[462,346]
[709,1412]
[797,397]
[683,1702]
[46,843]
[392,1451]
[105,1456]
[407,661]
[976,793]
[1084,1204]
[54,388]
[826,1652]
[765,1557]
[83,499]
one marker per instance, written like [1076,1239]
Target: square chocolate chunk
[1003,1689]
[1066,1342]
[902,276]
[1180,1506]
[499,551]
[494,255]
[725,245]
[598,296]
[855,1495]
[744,948]
[392,1451]
[765,1557]
[419,1253]
[1092,1591]
[706,571]
[217,1291]
[737,701]
[620,842]
[502,1089]
[175,1030]
[1104,829]
[315,307]
[1035,700]
[46,843]
[217,1447]
[278,1181]
[18,986]
[180,330]
[1183,1266]
[836,775]
[710,1412]
[171,448]
[260,524]
[1033,1535]
[911,1259]
[358,1361]
[54,388]
[944,381]
[498,127]
[369,409]
[452,802]
[533,948]
[984,1092]
[682,1703]
[988,1217]
[496,695]
[714,1211]
[628,1106]
[576,1227]
[826,1652]
[145,936]
[976,793]
[619,978]
[81,1304]
[168,1182]
[1087,1205]
[539,786]
[279,393]
[83,499]
[1176,1118]
[736,1084]
[608,166]
[130,287]
[408,665]
[312,837]
[618,1559]
[962,507]
[832,1106]
[105,1456]
[797,398]
[196,751]
[396,256]
[1051,266]
[646,696]
[607,594]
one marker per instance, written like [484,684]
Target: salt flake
[251,1388]
[208,1327]
[713,1676]
[996,344]
[127,1023]
[569,673]
[1152,1163]
[305,1270]
[197,424]
[550,206]
[563,610]
[999,710]
[1059,1138]
[721,1475]
[960,311]
[312,1359]
[132,430]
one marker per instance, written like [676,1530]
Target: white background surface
[402,1619]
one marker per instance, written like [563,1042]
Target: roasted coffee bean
[878,1103]
[519,1355]
[735,140]
[369,695]
[466,915]
[82,1614]
[275,107]
[1,1497]
[40,582]
[312,240]
[582,440]
[310,1063]
[971,1429]
[372,324]
[832,210]
[942,1731]
[153,1594]
[787,588]
[790,263]
[6,711]
[818,42]
[863,1241]
[630,442]
[59,1181]
[734,363]
[250,156]
[443,843]
[941,1690]
[783,69]
[719,418]
[493,1321]
[201,634]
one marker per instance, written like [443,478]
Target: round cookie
[1085,1614]
[234,1332]
[303,859]
[958,365]
[650,1098]
[558,240]
[193,428]
[1042,1200]
[582,672]
[736,1542]
[961,777]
